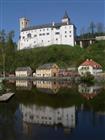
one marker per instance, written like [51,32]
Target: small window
[65,35]
[57,33]
[35,35]
[65,31]
[47,33]
[29,35]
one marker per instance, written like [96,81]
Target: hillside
[63,55]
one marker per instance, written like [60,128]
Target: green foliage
[87,78]
[63,55]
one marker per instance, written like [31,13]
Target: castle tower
[24,23]
[66,18]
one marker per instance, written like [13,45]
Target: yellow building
[47,70]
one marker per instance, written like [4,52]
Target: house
[47,70]
[89,66]
[23,72]
[43,35]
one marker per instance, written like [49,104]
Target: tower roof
[65,15]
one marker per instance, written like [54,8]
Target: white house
[89,66]
[23,71]
[46,34]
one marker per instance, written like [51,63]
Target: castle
[47,34]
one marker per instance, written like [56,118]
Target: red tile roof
[91,63]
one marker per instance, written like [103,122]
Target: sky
[81,12]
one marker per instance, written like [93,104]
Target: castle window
[65,35]
[47,33]
[35,35]
[65,31]
[57,28]
[23,37]
[29,35]
[56,39]
[70,31]
[70,35]
[57,33]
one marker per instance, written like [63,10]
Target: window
[35,35]
[70,35]
[57,28]
[47,33]
[29,35]
[23,37]
[57,33]
[65,31]
[65,35]
[70,31]
[56,39]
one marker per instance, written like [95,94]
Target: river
[45,110]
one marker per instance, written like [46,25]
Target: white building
[23,72]
[49,116]
[89,66]
[47,34]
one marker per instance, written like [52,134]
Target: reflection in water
[47,116]
[47,86]
[89,92]
[30,116]
[23,84]
[44,86]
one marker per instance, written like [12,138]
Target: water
[44,110]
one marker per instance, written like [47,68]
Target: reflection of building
[47,86]
[48,116]
[23,72]
[89,66]
[47,70]
[23,84]
[89,92]
[65,84]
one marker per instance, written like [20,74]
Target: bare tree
[99,27]
[92,27]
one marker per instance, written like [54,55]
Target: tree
[92,28]
[99,27]
[82,32]
[87,78]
